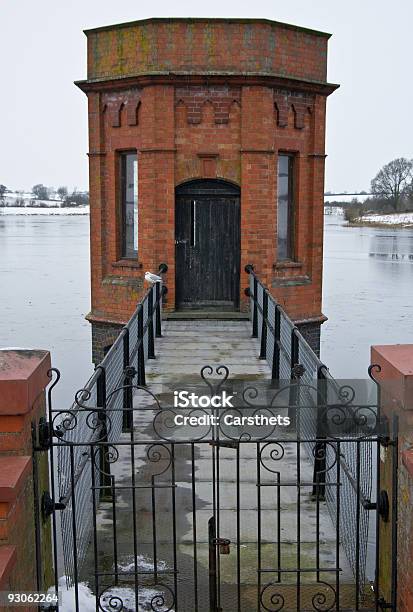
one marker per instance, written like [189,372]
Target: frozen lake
[44,267]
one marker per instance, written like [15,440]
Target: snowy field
[405,219]
[25,211]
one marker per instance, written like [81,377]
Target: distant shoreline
[30,211]
[395,220]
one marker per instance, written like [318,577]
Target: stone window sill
[127,263]
[281,265]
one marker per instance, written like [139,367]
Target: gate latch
[223,545]
[49,506]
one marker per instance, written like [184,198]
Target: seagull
[152,278]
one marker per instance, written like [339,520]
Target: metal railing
[314,391]
[101,411]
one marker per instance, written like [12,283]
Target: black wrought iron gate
[215,517]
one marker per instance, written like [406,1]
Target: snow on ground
[334,210]
[26,211]
[391,219]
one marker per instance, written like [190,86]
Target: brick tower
[206,151]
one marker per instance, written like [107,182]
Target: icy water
[368,293]
[44,293]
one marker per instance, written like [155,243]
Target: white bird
[152,278]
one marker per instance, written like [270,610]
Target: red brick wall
[232,46]
[206,127]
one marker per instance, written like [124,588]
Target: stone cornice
[216,78]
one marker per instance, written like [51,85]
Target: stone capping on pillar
[396,375]
[23,377]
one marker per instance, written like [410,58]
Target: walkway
[174,503]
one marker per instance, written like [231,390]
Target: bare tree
[62,193]
[41,191]
[3,190]
[393,181]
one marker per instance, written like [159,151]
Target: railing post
[319,474]
[104,465]
[141,350]
[275,375]
[255,309]
[158,324]
[294,357]
[263,351]
[151,342]
[127,391]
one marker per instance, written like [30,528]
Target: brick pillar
[396,384]
[23,380]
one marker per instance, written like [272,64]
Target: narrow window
[129,203]
[285,207]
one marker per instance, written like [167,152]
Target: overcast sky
[43,118]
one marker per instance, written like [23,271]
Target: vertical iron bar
[378,519]
[74,528]
[378,489]
[158,319]
[154,541]
[212,565]
[394,509]
[115,533]
[293,395]
[278,483]
[93,453]
[298,526]
[134,525]
[338,519]
[127,391]
[194,526]
[259,563]
[275,374]
[358,509]
[320,451]
[175,557]
[238,531]
[104,465]
[141,349]
[218,525]
[151,342]
[53,490]
[255,309]
[317,525]
[264,328]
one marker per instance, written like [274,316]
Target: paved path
[174,503]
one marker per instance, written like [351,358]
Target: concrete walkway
[174,501]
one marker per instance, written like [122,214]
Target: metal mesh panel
[75,465]
[355,459]
[113,364]
[74,480]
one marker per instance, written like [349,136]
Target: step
[191,315]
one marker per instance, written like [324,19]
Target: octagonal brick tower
[206,152]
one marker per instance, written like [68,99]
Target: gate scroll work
[266,504]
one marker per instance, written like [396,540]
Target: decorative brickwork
[23,379]
[205,98]
[396,383]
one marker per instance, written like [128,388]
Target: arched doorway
[207,239]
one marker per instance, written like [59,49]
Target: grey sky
[43,127]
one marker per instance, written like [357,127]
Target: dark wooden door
[207,241]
